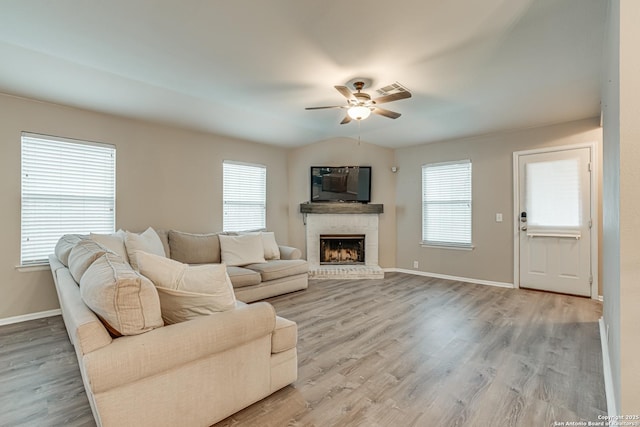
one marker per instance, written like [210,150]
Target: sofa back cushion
[194,248]
[241,250]
[83,254]
[188,291]
[64,246]
[164,238]
[125,301]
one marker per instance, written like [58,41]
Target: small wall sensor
[394,169]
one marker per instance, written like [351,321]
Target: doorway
[555,220]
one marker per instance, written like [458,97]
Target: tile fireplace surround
[343,223]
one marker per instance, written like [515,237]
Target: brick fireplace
[343,227]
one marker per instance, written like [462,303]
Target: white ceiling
[248,68]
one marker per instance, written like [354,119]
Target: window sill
[454,247]
[34,267]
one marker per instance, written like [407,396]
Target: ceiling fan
[360,105]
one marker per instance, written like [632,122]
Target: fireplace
[363,225]
[343,249]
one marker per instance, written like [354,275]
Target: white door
[555,221]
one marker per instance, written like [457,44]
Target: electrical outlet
[415,264]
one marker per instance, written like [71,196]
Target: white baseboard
[447,277]
[30,316]
[606,367]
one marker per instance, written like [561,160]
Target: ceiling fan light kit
[359,112]
[360,105]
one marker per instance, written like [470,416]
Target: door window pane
[553,193]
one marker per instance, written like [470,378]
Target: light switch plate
[498,217]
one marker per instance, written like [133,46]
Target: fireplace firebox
[342,249]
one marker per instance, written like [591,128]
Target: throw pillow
[271,249]
[194,248]
[125,301]
[188,291]
[241,250]
[114,242]
[147,241]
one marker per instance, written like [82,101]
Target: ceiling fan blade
[346,92]
[346,120]
[386,113]
[393,97]
[322,108]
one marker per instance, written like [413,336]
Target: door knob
[523,228]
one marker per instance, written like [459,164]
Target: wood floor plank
[403,351]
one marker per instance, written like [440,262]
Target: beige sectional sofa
[139,371]
[251,282]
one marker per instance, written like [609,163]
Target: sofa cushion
[123,299]
[147,241]
[114,242]
[194,248]
[83,254]
[164,238]
[271,249]
[187,291]
[241,250]
[64,246]
[270,246]
[278,268]
[285,335]
[241,277]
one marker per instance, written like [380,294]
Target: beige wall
[345,152]
[166,178]
[622,209]
[492,162]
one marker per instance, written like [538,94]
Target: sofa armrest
[131,358]
[85,330]
[289,252]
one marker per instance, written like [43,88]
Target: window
[446,204]
[244,196]
[68,186]
[553,193]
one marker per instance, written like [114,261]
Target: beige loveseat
[193,373]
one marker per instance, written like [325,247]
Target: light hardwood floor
[403,351]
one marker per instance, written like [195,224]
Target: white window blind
[446,204]
[244,196]
[68,186]
[553,193]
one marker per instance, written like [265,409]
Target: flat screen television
[341,184]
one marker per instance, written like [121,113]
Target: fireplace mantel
[341,208]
